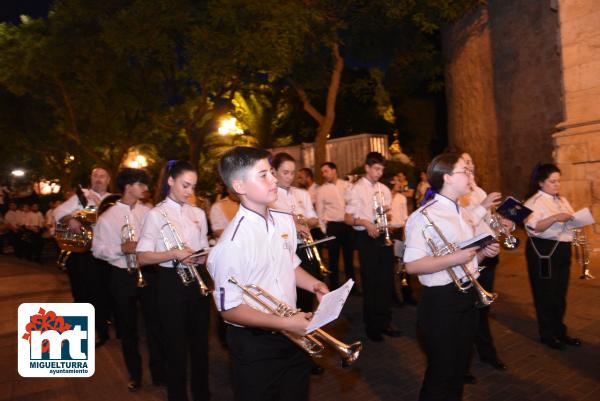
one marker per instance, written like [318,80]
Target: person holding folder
[548,254]
[259,248]
[447,317]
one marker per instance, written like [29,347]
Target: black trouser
[184,321]
[344,239]
[89,278]
[32,244]
[549,294]
[14,239]
[126,296]
[447,320]
[305,299]
[376,272]
[267,366]
[483,338]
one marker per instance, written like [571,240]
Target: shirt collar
[172,204]
[549,196]
[447,201]
[254,216]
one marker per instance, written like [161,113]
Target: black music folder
[479,241]
[513,210]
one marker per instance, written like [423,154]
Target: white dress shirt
[545,205]
[359,202]
[72,204]
[398,210]
[107,234]
[450,218]
[331,201]
[312,191]
[294,200]
[222,212]
[189,221]
[12,217]
[255,251]
[478,214]
[33,219]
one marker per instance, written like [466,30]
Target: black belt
[255,331]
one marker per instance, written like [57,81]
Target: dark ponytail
[540,173]
[173,169]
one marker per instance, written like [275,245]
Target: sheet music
[330,307]
[582,217]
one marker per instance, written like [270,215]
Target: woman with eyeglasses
[447,317]
[548,254]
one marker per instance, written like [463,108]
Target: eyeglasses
[465,171]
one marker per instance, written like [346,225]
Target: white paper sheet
[582,217]
[330,307]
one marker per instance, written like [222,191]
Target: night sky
[11,10]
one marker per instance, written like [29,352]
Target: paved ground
[385,371]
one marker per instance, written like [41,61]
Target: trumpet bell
[351,354]
[511,243]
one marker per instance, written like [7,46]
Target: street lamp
[18,173]
[229,127]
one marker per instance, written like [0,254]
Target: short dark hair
[129,176]
[280,158]
[441,165]
[237,160]
[374,158]
[308,172]
[331,165]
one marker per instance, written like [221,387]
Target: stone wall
[577,142]
[504,89]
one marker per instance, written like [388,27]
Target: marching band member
[331,205]
[88,277]
[34,225]
[479,203]
[295,201]
[548,254]
[447,318]
[183,313]
[111,245]
[222,212]
[376,259]
[258,248]
[306,180]
[397,219]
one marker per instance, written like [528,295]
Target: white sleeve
[67,207]
[150,233]
[310,210]
[203,230]
[351,202]
[226,261]
[416,247]
[102,248]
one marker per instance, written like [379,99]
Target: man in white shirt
[306,180]
[376,259]
[130,286]
[331,206]
[88,277]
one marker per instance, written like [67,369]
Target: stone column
[577,142]
[472,123]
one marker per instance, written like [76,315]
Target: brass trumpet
[484,298]
[187,271]
[381,220]
[312,252]
[128,235]
[509,241]
[582,253]
[309,342]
